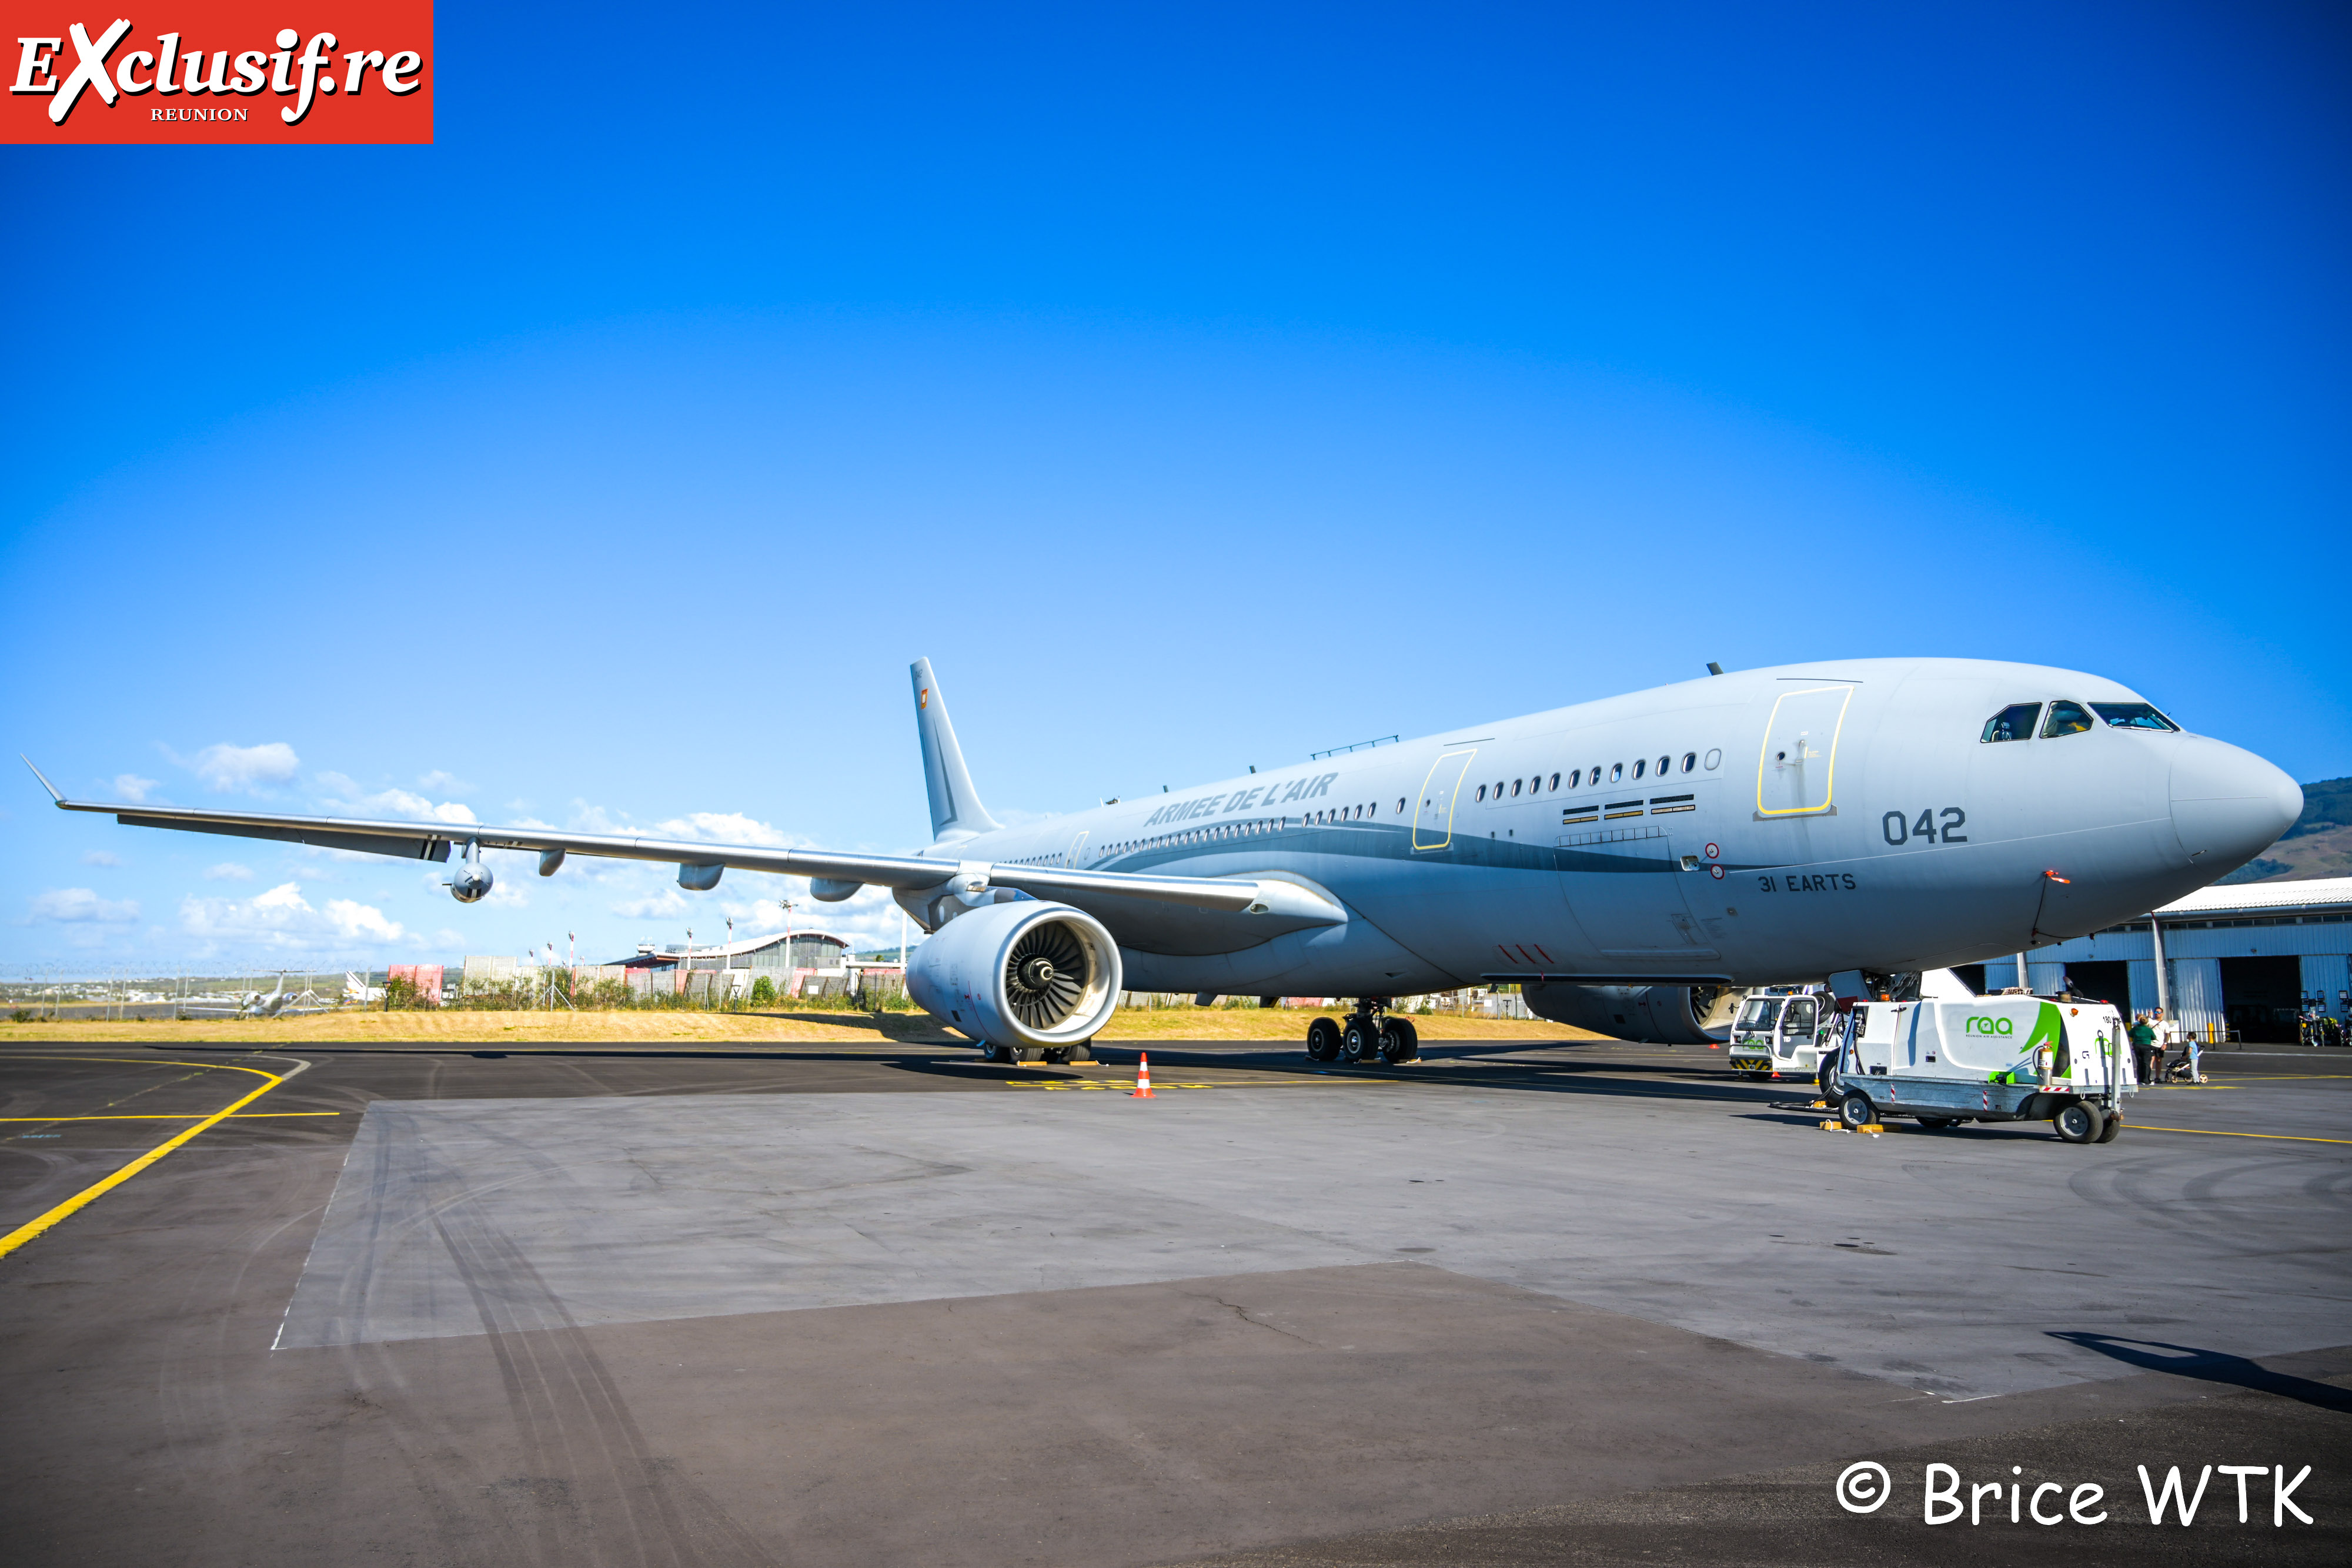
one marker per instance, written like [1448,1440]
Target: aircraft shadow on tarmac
[2211,1365]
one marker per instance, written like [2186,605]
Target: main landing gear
[1368,1032]
[1053,1056]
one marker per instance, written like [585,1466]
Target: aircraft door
[1076,854]
[1432,823]
[1796,772]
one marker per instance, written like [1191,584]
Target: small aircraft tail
[956,810]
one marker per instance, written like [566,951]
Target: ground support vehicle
[1781,1031]
[2013,1058]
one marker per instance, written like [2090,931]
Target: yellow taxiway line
[23,1233]
[173,1116]
[2210,1133]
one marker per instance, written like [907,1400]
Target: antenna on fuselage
[1712,668]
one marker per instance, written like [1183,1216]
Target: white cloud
[80,905]
[666,903]
[281,918]
[130,787]
[99,857]
[392,802]
[723,827]
[228,871]
[439,782]
[226,766]
[355,920]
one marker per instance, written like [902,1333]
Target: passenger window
[1515,788]
[1616,771]
[2014,722]
[1555,781]
[1665,766]
[1400,805]
[2065,719]
[1640,764]
[1690,761]
[2131,716]
[1576,779]
[1482,791]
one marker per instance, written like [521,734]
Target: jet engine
[1658,1015]
[471,883]
[1027,975]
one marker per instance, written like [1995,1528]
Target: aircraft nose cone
[2229,805]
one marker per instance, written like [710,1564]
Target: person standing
[2143,1049]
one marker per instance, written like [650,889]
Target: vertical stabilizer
[956,810]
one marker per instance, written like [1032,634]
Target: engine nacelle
[1028,974]
[471,883]
[1658,1015]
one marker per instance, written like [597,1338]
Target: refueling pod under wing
[1658,1015]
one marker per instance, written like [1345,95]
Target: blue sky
[1197,387]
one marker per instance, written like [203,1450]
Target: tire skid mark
[594,1492]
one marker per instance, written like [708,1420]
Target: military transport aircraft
[1619,859]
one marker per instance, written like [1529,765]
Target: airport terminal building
[2241,960]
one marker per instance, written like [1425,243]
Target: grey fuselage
[1808,820]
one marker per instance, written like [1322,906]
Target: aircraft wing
[432,840]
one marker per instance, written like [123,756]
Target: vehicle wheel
[1938,1121]
[1826,1079]
[1412,1039]
[2080,1123]
[1032,1053]
[1393,1048]
[1358,1043]
[1323,1041]
[1855,1110]
[2115,1123]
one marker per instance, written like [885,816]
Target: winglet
[52,788]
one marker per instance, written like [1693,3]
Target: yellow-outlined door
[1796,771]
[1432,825]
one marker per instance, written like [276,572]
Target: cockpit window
[1759,1014]
[2065,719]
[2131,716]
[2014,722]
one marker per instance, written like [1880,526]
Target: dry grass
[665,1028]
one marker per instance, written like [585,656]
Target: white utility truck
[2005,1058]
[1781,1030]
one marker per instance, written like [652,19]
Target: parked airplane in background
[272,1003]
[1622,860]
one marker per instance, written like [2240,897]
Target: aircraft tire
[1323,1041]
[1358,1043]
[1393,1048]
[992,1051]
[2080,1123]
[1412,1039]
[1032,1053]
[1056,1056]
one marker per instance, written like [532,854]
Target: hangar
[2241,960]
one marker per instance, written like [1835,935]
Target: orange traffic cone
[1143,1078]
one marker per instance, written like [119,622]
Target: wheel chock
[1832,1126]
[1820,1105]
[1872,1128]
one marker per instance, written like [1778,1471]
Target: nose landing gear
[1368,1032]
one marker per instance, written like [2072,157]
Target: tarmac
[1521,1303]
